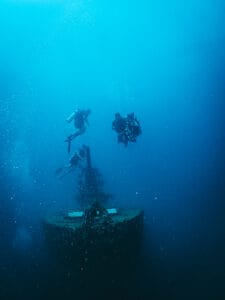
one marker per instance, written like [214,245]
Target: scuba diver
[75,162]
[80,119]
[127,128]
[119,125]
[133,127]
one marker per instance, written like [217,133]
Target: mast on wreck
[90,185]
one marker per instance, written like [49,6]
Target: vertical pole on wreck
[88,158]
[90,186]
[89,177]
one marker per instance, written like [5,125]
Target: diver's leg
[68,170]
[78,132]
[70,138]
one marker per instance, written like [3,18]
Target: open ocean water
[162,60]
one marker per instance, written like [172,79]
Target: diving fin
[69,146]
[68,140]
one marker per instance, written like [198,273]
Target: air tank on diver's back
[71,117]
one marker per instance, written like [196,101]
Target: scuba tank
[71,117]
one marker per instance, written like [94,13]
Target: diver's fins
[68,140]
[69,146]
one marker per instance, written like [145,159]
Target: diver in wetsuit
[127,128]
[133,127]
[76,161]
[80,119]
[119,125]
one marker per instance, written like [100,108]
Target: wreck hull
[98,258]
[71,241]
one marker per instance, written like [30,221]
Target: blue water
[163,60]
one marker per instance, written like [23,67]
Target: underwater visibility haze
[162,60]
